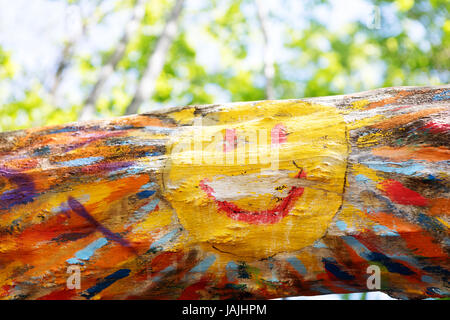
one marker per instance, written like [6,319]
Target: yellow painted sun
[260,179]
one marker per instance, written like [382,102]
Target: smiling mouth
[267,216]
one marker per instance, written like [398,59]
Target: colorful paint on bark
[263,200]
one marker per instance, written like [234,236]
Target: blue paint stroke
[334,269]
[204,264]
[148,185]
[407,168]
[145,194]
[319,244]
[43,151]
[166,270]
[153,154]
[341,225]
[87,252]
[144,210]
[362,178]
[360,249]
[365,253]
[430,223]
[157,129]
[392,266]
[66,129]
[232,271]
[297,264]
[105,283]
[444,95]
[384,231]
[79,162]
[427,279]
[157,245]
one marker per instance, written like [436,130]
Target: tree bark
[334,195]
[109,67]
[146,85]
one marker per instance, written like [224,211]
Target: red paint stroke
[65,294]
[435,127]
[193,292]
[398,193]
[278,134]
[230,141]
[400,108]
[269,216]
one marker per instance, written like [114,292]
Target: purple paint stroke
[79,209]
[25,192]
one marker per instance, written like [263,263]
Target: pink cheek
[278,134]
[230,141]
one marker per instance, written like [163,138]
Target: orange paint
[405,118]
[416,239]
[390,100]
[140,121]
[440,206]
[431,154]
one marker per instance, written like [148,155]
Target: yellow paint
[443,221]
[358,168]
[364,122]
[317,142]
[354,218]
[371,139]
[360,104]
[184,116]
[157,219]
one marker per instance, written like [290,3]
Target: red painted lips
[269,216]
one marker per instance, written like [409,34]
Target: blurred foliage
[409,47]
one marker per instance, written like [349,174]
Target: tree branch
[246,200]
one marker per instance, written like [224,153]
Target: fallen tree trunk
[245,200]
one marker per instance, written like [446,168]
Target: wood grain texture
[262,200]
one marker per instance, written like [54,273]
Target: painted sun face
[263,179]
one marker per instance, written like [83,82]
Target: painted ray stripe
[232,271]
[377,228]
[297,264]
[78,208]
[145,209]
[79,162]
[162,273]
[408,167]
[444,95]
[384,231]
[145,194]
[363,252]
[148,185]
[105,283]
[333,267]
[87,252]
[158,244]
[204,264]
